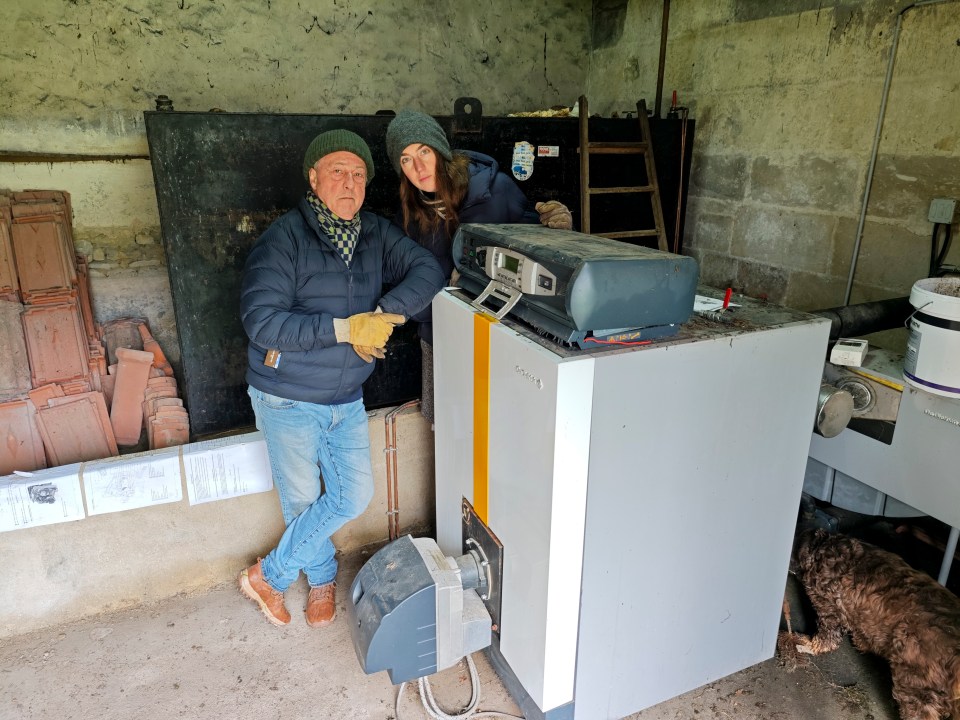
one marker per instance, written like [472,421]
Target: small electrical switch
[941,210]
[849,351]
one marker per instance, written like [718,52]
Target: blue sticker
[522,163]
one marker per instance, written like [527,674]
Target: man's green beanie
[410,127]
[332,141]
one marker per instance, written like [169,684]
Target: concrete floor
[213,655]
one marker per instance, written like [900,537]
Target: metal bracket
[507,295]
[480,540]
[467,112]
[477,551]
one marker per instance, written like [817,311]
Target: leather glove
[369,329]
[368,353]
[555,215]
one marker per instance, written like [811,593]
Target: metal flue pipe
[865,318]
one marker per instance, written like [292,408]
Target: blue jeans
[304,439]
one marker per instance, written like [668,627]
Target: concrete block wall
[56,574]
[786,96]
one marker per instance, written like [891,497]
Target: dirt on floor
[213,656]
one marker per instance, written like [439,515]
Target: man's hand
[555,215]
[369,353]
[372,329]
[369,329]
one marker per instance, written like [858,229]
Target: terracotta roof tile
[126,412]
[43,394]
[86,308]
[107,383]
[121,332]
[168,432]
[151,406]
[56,345]
[152,346]
[9,285]
[15,365]
[43,253]
[76,428]
[21,447]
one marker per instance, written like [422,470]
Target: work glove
[366,330]
[554,214]
[368,353]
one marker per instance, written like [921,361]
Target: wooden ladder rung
[643,148]
[630,233]
[617,148]
[621,190]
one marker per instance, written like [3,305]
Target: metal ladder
[651,188]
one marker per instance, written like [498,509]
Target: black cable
[945,249]
[933,249]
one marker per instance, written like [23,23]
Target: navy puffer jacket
[295,282]
[492,197]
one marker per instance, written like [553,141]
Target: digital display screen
[510,264]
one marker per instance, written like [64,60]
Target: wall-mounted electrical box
[941,210]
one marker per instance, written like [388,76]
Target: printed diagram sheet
[40,497]
[226,468]
[127,482]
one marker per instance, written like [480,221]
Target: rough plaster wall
[786,96]
[86,70]
[78,76]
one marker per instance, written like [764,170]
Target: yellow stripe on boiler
[481,413]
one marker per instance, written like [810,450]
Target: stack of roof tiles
[58,402]
[142,386]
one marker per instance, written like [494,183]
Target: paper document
[40,497]
[706,304]
[226,468]
[133,481]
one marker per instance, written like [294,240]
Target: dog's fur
[889,609]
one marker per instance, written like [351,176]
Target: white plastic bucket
[932,362]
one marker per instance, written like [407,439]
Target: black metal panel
[559,177]
[477,537]
[222,178]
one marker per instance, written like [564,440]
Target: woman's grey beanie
[410,127]
[330,142]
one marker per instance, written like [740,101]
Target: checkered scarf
[343,233]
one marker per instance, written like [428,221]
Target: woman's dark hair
[452,179]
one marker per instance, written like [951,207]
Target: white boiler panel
[646,497]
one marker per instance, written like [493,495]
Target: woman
[440,189]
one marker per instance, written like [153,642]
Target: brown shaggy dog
[889,609]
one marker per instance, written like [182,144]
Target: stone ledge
[68,571]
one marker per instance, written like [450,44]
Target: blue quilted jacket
[295,282]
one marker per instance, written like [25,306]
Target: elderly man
[313,306]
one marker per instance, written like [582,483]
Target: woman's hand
[555,215]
